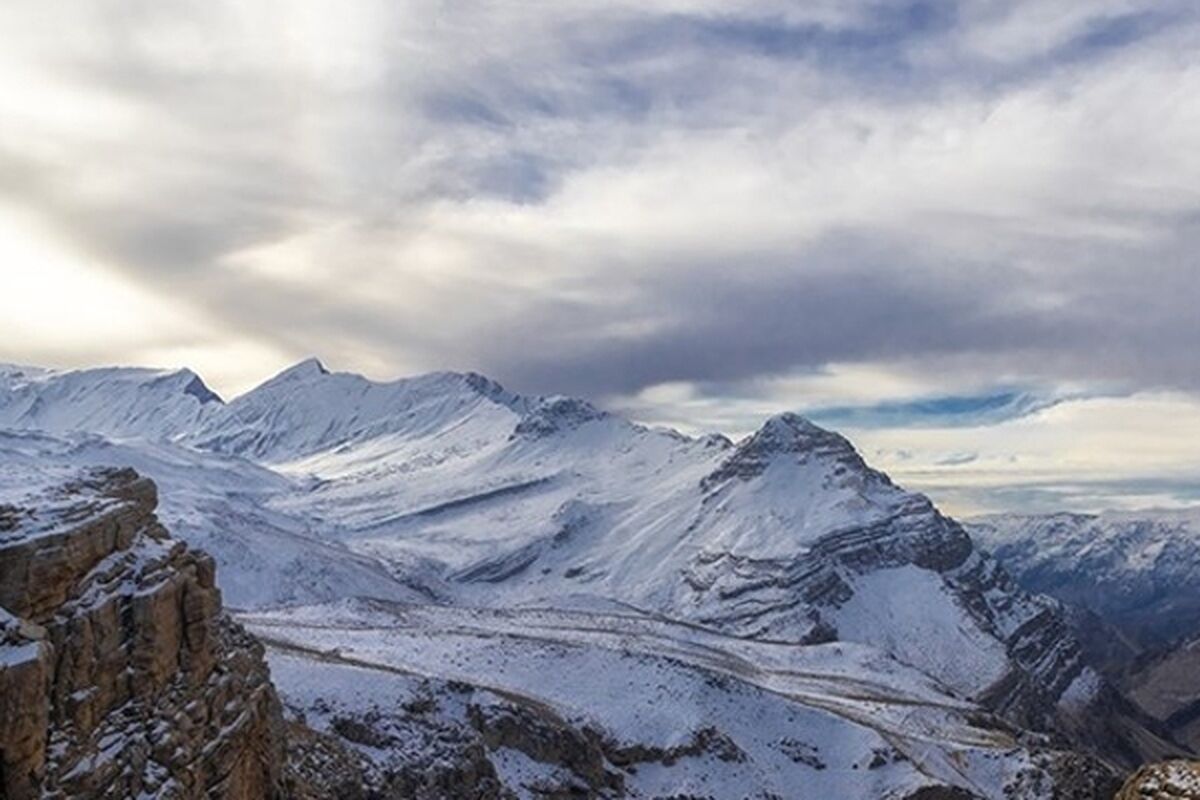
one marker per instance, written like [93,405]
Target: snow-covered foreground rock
[120,676]
[541,549]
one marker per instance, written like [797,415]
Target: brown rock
[142,684]
[1170,780]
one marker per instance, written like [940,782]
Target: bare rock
[1171,780]
[120,676]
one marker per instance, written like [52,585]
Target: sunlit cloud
[698,212]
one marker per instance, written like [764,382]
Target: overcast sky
[965,232]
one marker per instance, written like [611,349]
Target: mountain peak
[194,386]
[791,424]
[784,435]
[792,433]
[308,368]
[490,389]
[553,414]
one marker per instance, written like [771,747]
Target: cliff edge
[120,676]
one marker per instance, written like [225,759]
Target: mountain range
[649,614]
[1128,581]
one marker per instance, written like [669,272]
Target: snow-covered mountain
[118,402]
[1137,571]
[1129,580]
[446,489]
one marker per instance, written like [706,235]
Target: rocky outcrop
[120,676]
[1172,780]
[556,414]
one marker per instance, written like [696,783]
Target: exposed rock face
[1173,780]
[556,414]
[1044,658]
[119,675]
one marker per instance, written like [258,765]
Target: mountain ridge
[447,488]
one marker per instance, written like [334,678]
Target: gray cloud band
[909,187]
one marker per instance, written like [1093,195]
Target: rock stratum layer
[1127,579]
[120,676]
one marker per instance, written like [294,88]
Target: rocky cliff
[1166,684]
[120,676]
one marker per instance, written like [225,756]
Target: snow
[442,528]
[443,484]
[114,401]
[214,502]
[1082,691]
[815,717]
[12,655]
[36,496]
[902,610]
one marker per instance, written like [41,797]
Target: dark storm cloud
[710,327]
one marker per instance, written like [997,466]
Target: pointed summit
[789,436]
[193,385]
[792,433]
[303,370]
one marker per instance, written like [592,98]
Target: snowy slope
[701,714]
[447,488]
[307,409]
[116,401]
[265,557]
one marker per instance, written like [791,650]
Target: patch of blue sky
[944,411]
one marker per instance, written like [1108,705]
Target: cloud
[696,210]
[1086,454]
[944,411]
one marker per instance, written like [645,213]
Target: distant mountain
[1137,571]
[446,489]
[1129,579]
[114,401]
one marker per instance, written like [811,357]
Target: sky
[963,233]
